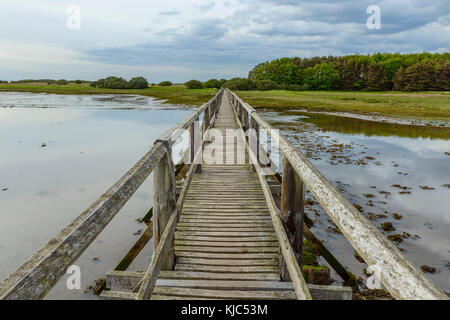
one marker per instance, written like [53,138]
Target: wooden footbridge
[225,224]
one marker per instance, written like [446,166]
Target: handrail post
[245,121]
[292,211]
[254,141]
[207,119]
[164,201]
[195,137]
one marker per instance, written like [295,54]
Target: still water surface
[58,154]
[385,169]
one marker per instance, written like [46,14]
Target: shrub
[78,81]
[241,84]
[114,83]
[62,82]
[93,84]
[194,84]
[213,83]
[3,81]
[138,83]
[165,84]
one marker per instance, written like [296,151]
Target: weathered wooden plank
[273,269]
[226,212]
[247,285]
[222,262]
[292,212]
[180,236]
[227,234]
[226,256]
[126,281]
[226,225]
[221,229]
[257,217]
[117,295]
[222,218]
[254,244]
[186,275]
[226,294]
[164,202]
[236,249]
[224,204]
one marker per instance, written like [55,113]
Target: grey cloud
[206,6]
[268,29]
[169,13]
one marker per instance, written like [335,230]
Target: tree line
[377,72]
[121,83]
[47,81]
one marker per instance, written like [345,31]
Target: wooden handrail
[35,278]
[400,276]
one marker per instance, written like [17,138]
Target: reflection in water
[369,162]
[55,162]
[370,128]
[109,101]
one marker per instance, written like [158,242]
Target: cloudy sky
[179,40]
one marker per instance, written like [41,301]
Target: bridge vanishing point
[225,224]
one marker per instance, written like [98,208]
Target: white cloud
[182,39]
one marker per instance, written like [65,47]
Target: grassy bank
[420,105]
[177,94]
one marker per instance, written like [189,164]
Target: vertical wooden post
[245,122]
[254,125]
[164,202]
[241,113]
[195,136]
[207,118]
[292,210]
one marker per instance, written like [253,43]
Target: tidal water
[58,154]
[393,173]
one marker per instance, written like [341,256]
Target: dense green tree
[114,83]
[213,83]
[281,71]
[376,78]
[138,83]
[418,77]
[321,77]
[194,84]
[443,75]
[165,84]
[358,72]
[62,82]
[241,84]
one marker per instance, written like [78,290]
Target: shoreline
[382,119]
[395,109]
